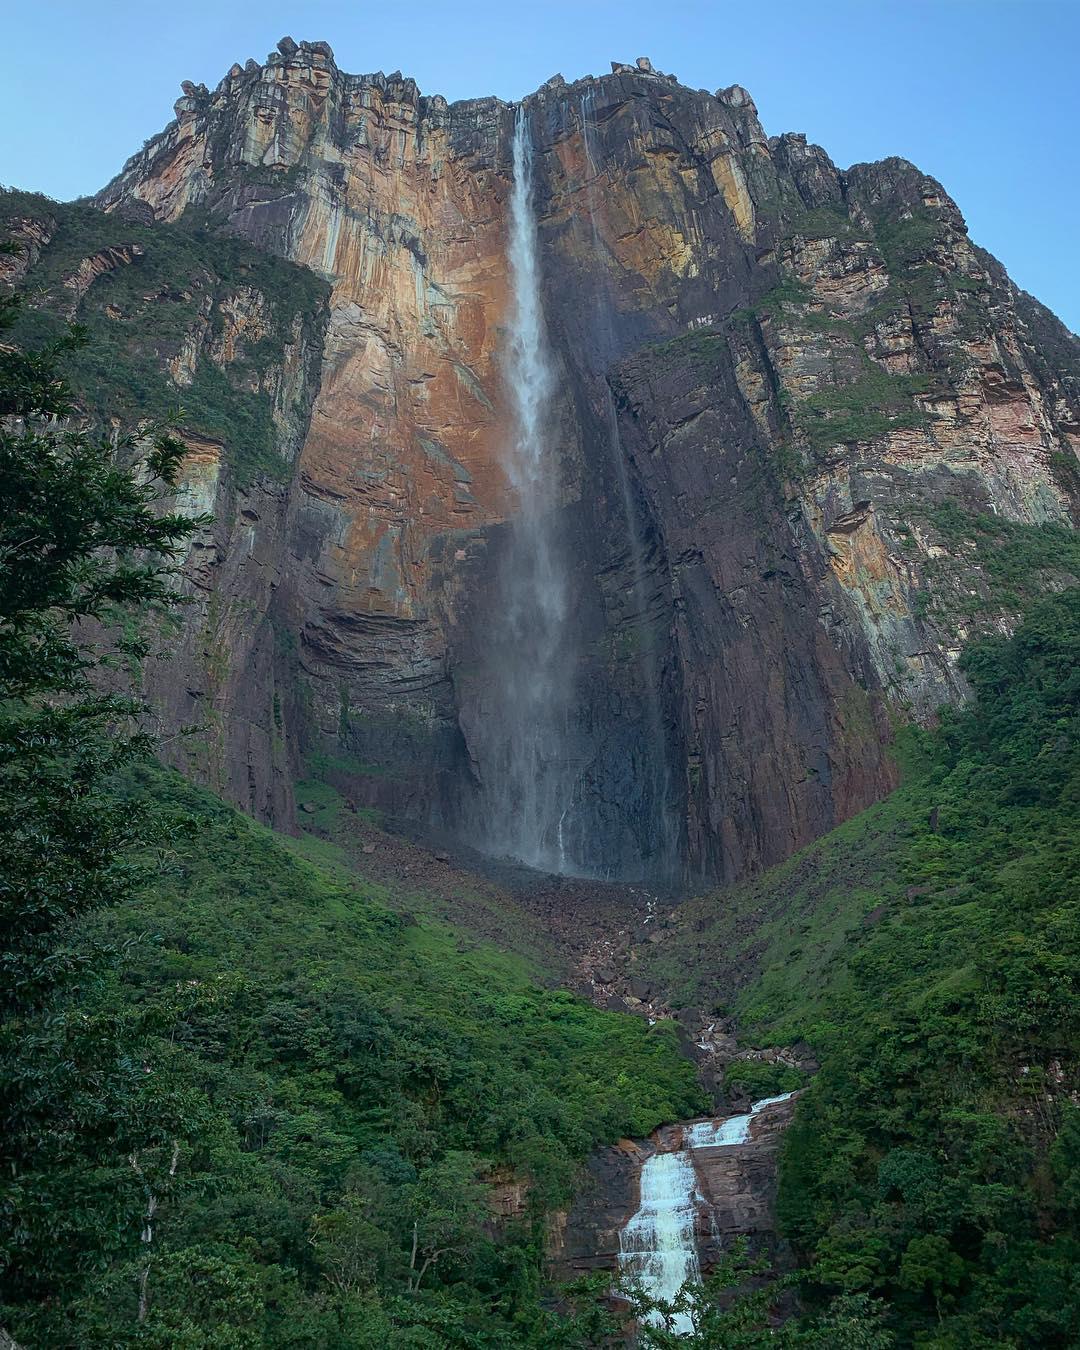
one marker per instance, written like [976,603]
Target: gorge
[620,727]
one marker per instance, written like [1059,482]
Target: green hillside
[324,1073]
[929,950]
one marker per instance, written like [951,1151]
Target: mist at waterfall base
[658,1244]
[532,756]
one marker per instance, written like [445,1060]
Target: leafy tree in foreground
[80,536]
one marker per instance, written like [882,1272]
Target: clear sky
[984,94]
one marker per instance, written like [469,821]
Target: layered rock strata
[772,377]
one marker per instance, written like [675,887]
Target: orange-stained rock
[770,373]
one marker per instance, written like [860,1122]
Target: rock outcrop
[735,1191]
[774,376]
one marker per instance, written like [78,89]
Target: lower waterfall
[658,1247]
[658,1244]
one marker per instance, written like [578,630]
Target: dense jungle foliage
[323,1083]
[936,1163]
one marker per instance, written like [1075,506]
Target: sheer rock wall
[771,373]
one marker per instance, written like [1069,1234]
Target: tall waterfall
[658,1245]
[527,766]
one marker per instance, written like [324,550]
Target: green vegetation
[876,403]
[826,222]
[787,292]
[906,241]
[699,349]
[916,281]
[734,1308]
[79,537]
[1066,469]
[139,314]
[789,301]
[760,1078]
[1016,563]
[336,834]
[930,951]
[327,1074]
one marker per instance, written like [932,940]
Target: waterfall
[733,1130]
[658,1244]
[525,750]
[526,725]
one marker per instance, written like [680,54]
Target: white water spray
[531,379]
[658,1244]
[525,744]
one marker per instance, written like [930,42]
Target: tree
[449,1207]
[351,1241]
[88,531]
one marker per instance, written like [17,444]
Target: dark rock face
[769,370]
[781,737]
[586,1238]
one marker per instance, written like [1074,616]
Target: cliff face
[785,391]
[235,340]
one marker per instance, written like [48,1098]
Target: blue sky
[984,94]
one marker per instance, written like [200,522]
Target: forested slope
[929,950]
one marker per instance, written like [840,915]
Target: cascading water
[733,1130]
[528,725]
[526,752]
[658,1244]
